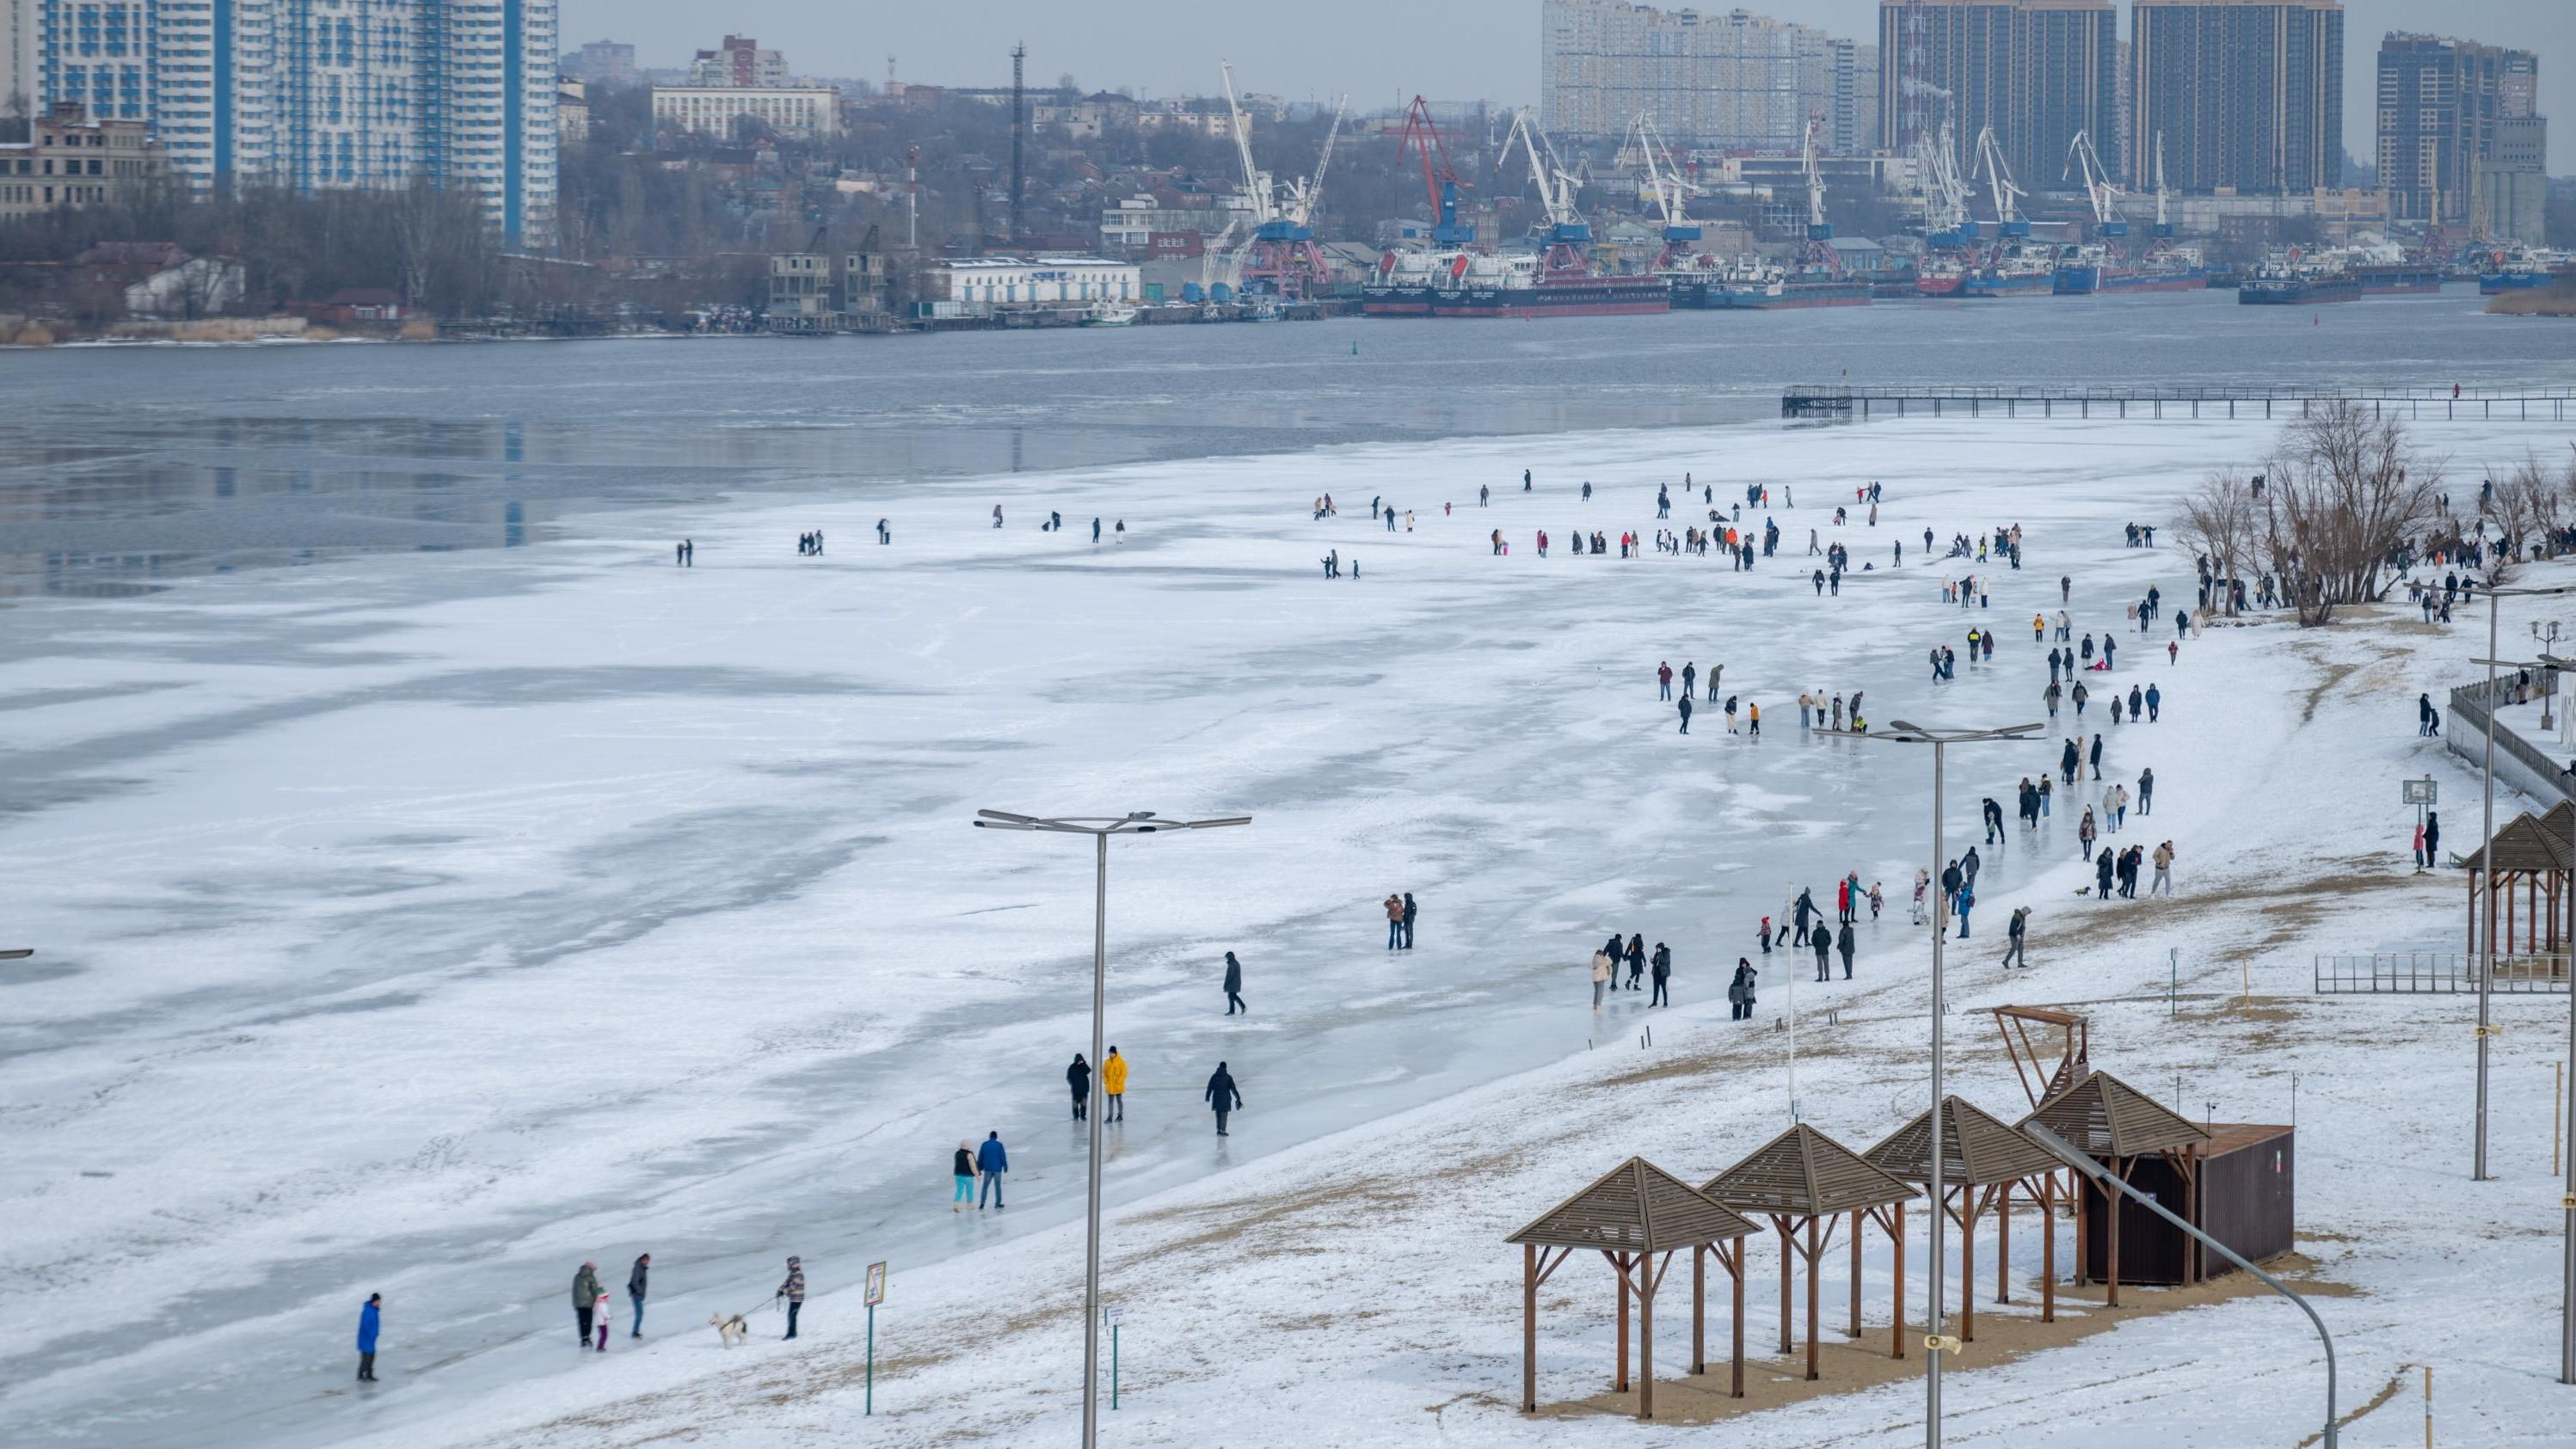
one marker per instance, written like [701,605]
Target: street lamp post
[2109,1181]
[2486,833]
[1099,828]
[1904,733]
[2567,1201]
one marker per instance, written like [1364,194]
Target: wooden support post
[1896,1330]
[1855,1275]
[1815,1304]
[1699,1309]
[2003,1243]
[1736,1390]
[2048,1248]
[1788,1250]
[1967,1265]
[2111,1205]
[2082,1202]
[1620,1262]
[1647,1281]
[1529,1327]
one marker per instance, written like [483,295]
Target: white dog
[729,1328]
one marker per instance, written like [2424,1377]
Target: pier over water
[1861,403]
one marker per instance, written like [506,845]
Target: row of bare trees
[2346,502]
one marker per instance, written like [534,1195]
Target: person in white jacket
[1601,973]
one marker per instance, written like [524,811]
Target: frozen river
[427,924]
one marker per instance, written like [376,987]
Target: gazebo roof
[1804,1173]
[1635,1207]
[1977,1149]
[2526,844]
[2107,1117]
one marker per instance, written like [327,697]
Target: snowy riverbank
[438,923]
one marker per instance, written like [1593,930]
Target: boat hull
[2494,283]
[2034,284]
[2299,293]
[1599,297]
[2194,280]
[2400,281]
[1719,297]
[2077,281]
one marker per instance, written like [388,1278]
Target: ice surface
[426,926]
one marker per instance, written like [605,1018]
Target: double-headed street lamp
[2486,833]
[1099,828]
[1904,733]
[2567,1200]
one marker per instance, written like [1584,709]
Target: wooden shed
[2239,1187]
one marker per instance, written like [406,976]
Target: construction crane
[1279,256]
[1946,222]
[1820,253]
[2164,224]
[1439,179]
[1664,181]
[2098,188]
[1999,181]
[1567,233]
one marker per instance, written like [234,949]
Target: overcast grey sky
[1380,51]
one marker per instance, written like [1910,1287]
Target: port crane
[1567,233]
[1439,178]
[2098,187]
[1279,255]
[2164,223]
[1820,254]
[1671,193]
[1999,181]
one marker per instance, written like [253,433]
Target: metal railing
[2547,404]
[2469,717]
[2437,973]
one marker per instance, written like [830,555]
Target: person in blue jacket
[370,1322]
[992,1161]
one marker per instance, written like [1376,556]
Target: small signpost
[1111,1315]
[2423,795]
[876,1295]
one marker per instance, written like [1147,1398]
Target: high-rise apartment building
[2037,71]
[1734,80]
[2246,94]
[2443,105]
[22,76]
[318,94]
[607,64]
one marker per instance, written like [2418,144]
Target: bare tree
[2343,496]
[2532,506]
[2222,523]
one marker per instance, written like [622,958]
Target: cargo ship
[1752,285]
[1510,284]
[2520,269]
[2386,270]
[2290,280]
[1942,275]
[2168,269]
[2080,270]
[2014,271]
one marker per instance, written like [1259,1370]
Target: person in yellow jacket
[1113,1081]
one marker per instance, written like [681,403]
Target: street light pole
[1934,1342]
[2567,1201]
[1099,828]
[2486,853]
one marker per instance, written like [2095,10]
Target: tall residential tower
[1734,80]
[2037,71]
[2246,94]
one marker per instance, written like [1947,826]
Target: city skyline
[1446,49]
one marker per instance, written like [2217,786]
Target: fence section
[2436,973]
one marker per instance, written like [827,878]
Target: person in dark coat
[370,1322]
[2013,934]
[585,1300]
[638,1278]
[1663,962]
[793,1290]
[2102,874]
[1078,1077]
[1805,908]
[1845,943]
[1740,991]
[1222,1096]
[1823,941]
[1409,912]
[2432,838]
[2096,760]
[1234,986]
[1636,963]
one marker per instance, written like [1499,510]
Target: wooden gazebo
[1804,1180]
[2117,1124]
[1982,1161]
[2523,903]
[1636,1216]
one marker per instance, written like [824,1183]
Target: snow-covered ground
[429,925]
